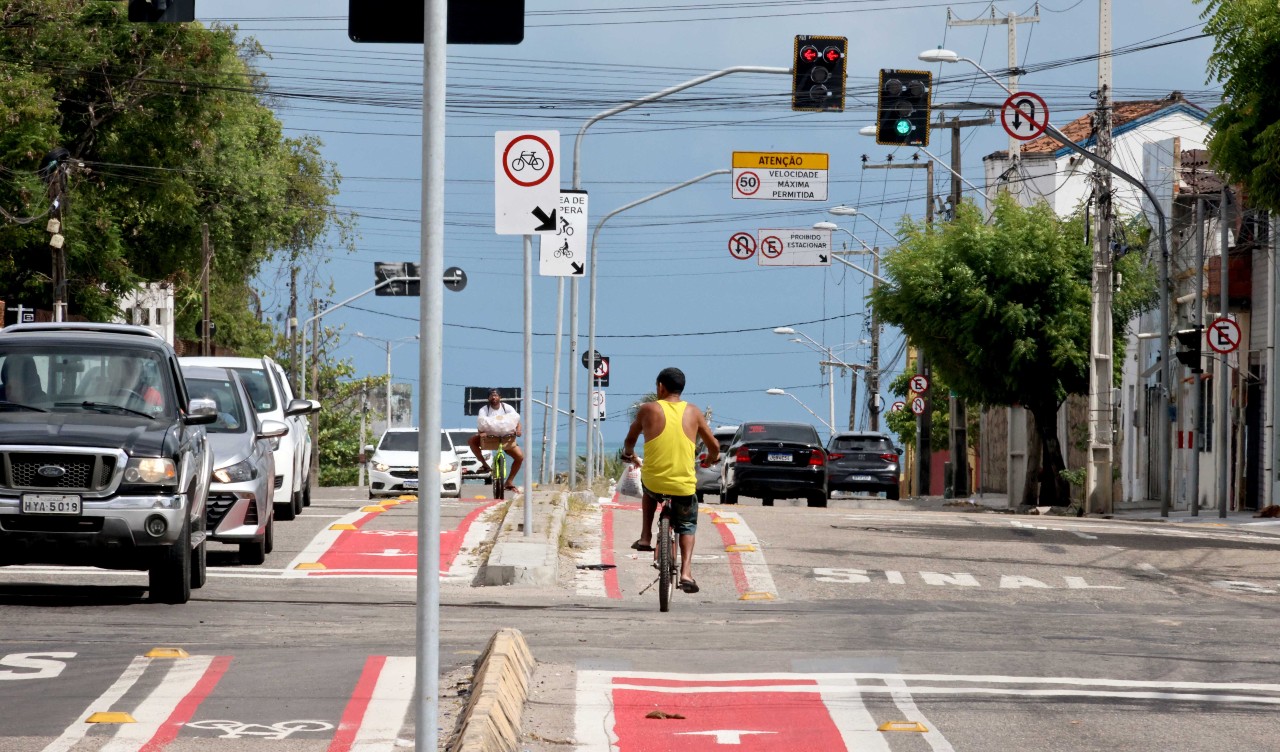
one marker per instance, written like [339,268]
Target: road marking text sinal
[956,579]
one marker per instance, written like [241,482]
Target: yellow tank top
[668,457]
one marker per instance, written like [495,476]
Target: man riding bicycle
[497,422]
[670,427]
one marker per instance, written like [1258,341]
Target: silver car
[709,477]
[240,509]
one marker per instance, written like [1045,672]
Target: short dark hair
[496,391]
[672,379]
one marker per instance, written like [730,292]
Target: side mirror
[368,448]
[898,450]
[273,429]
[298,407]
[315,406]
[201,411]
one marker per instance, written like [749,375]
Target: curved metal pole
[1165,357]
[591,324]
[302,376]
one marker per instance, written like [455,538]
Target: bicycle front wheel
[499,476]
[665,564]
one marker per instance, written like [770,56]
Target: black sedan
[775,461]
[863,461]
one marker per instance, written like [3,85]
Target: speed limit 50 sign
[780,175]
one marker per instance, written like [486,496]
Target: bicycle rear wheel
[499,476]
[665,584]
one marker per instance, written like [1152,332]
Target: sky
[670,293]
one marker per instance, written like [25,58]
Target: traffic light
[818,73]
[1189,347]
[902,108]
[162,11]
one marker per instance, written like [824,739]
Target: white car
[273,398]
[470,465]
[393,465]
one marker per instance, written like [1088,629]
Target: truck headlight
[151,470]
[237,473]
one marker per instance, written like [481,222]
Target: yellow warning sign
[773,160]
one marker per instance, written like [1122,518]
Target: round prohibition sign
[1024,115]
[1223,335]
[898,406]
[602,369]
[742,245]
[771,247]
[522,157]
[919,384]
[748,183]
[917,405]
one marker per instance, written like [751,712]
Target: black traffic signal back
[1189,345]
[162,11]
[818,73]
[902,108]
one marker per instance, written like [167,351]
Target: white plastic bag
[629,485]
[501,424]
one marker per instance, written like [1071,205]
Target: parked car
[863,461]
[469,464]
[709,477]
[104,459]
[393,466]
[240,509]
[775,461]
[273,400]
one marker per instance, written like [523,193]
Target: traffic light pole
[573,286]
[302,388]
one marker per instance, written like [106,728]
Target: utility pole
[1011,21]
[293,328]
[57,241]
[958,410]
[206,252]
[873,370]
[1097,491]
[315,380]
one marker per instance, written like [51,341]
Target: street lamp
[852,211]
[389,343]
[831,362]
[797,399]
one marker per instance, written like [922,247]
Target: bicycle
[527,158]
[563,251]
[664,555]
[565,227]
[498,464]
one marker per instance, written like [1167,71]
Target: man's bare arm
[708,438]
[633,433]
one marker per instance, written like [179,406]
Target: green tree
[168,128]
[1002,311]
[1245,144]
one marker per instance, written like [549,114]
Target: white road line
[843,700]
[902,698]
[78,728]
[388,706]
[151,714]
[754,567]
[590,582]
[323,541]
[593,712]
[468,561]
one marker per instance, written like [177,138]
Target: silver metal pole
[591,326]
[1223,370]
[555,379]
[526,407]
[573,382]
[1197,398]
[430,375]
[302,386]
[388,384]
[831,398]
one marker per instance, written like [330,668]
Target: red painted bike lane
[389,552]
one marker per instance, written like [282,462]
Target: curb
[491,720]
[533,560]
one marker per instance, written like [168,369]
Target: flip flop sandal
[689,586]
[641,546]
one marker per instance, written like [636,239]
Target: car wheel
[729,496]
[200,562]
[817,499]
[297,502]
[254,552]
[306,495]
[766,501]
[284,511]
[700,498]
[270,538]
[169,578]
[892,493]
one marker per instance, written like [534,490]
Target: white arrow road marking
[390,552]
[725,736]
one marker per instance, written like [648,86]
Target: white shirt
[502,409]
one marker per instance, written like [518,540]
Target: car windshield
[880,444]
[779,432]
[460,439]
[64,378]
[399,441]
[259,385]
[231,418]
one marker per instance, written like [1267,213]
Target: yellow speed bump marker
[724,521]
[342,526]
[756,595]
[915,726]
[311,565]
[739,548]
[110,718]
[373,509]
[167,653]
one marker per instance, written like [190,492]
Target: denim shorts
[684,511]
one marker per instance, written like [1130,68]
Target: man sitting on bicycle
[504,416]
[670,426]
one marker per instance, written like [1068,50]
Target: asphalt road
[812,629]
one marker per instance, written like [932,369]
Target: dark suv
[103,457]
[775,461]
[863,461]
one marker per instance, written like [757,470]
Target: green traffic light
[903,127]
